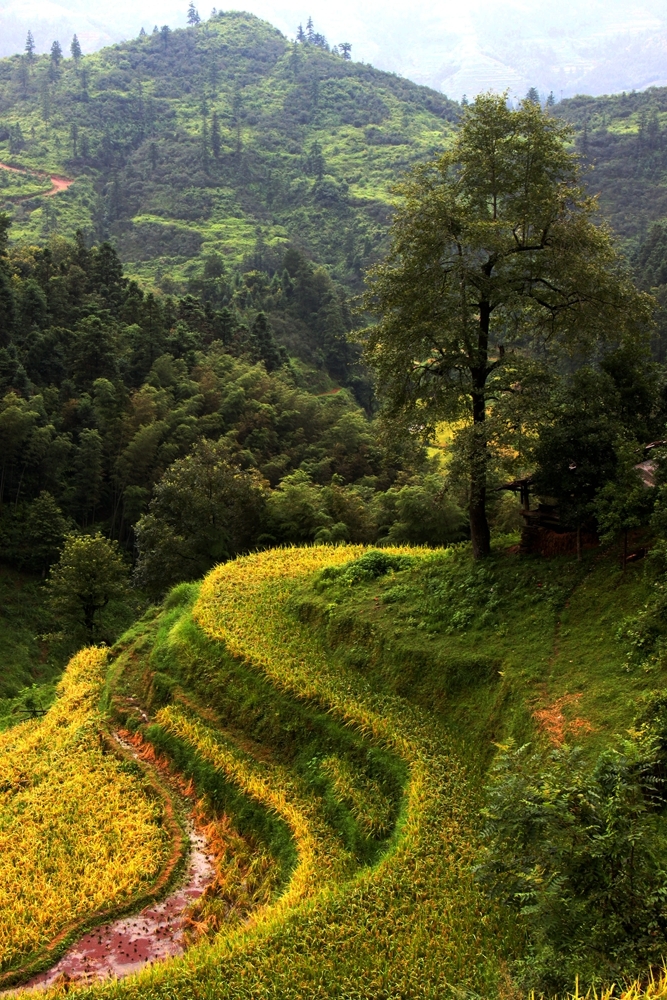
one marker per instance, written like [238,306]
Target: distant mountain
[568,48]
[220,145]
[221,139]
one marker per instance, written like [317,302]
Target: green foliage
[105,387]
[204,510]
[27,657]
[89,574]
[493,245]
[577,851]
[623,137]
[201,140]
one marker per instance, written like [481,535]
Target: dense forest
[123,410]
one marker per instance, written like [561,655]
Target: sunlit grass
[77,831]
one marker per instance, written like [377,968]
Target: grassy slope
[623,138]
[147,180]
[421,671]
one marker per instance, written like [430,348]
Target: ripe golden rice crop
[77,832]
[412,925]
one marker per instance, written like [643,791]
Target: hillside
[340,706]
[215,147]
[220,139]
[623,138]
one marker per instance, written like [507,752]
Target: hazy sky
[570,46]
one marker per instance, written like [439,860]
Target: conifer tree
[533,96]
[24,76]
[75,49]
[310,30]
[56,54]
[30,47]
[215,135]
[346,50]
[193,15]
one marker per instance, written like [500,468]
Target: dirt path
[126,945]
[57,183]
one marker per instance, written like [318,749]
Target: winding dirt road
[58,183]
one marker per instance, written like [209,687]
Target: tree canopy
[498,264]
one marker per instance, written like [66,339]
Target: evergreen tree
[300,34]
[346,50]
[142,33]
[30,47]
[45,531]
[193,15]
[310,30]
[165,31]
[16,139]
[533,96]
[551,100]
[56,54]
[215,135]
[75,49]
[89,574]
[24,76]
[88,475]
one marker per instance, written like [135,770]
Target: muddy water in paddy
[128,944]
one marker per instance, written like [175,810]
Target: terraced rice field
[79,835]
[361,813]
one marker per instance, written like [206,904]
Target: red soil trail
[57,183]
[127,944]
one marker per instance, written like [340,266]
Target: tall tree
[193,15]
[30,47]
[90,573]
[215,135]
[495,251]
[75,49]
[56,54]
[345,50]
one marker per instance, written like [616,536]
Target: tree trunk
[479,525]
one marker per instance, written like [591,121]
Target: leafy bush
[576,849]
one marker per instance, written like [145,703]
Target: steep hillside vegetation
[221,139]
[342,705]
[623,137]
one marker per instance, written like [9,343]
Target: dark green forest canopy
[224,138]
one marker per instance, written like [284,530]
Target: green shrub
[576,849]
